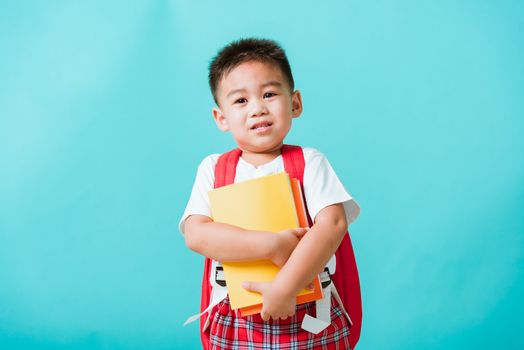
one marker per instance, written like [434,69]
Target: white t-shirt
[321,185]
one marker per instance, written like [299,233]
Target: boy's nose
[258,109]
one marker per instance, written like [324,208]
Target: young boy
[253,88]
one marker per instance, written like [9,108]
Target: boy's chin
[269,148]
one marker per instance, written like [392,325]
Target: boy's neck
[258,159]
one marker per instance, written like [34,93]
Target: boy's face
[256,106]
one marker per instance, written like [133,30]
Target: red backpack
[346,275]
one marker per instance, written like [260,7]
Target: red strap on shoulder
[294,161]
[225,169]
[294,164]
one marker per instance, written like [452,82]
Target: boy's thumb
[301,231]
[251,286]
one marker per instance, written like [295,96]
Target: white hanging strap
[218,293]
[323,319]
[332,265]
[323,308]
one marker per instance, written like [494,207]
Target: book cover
[270,203]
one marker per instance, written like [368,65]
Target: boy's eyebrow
[269,83]
[272,83]
[232,92]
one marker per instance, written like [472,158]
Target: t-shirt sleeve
[198,203]
[322,187]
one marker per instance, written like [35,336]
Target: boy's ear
[296,104]
[220,120]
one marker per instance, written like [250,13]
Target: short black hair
[244,50]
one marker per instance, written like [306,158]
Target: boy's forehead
[251,73]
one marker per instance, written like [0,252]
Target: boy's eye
[269,94]
[241,100]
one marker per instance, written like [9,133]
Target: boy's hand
[276,304]
[285,243]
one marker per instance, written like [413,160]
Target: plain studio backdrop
[105,113]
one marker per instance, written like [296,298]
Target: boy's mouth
[261,126]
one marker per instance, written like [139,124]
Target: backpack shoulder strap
[294,163]
[225,169]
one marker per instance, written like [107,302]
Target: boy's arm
[224,242]
[307,260]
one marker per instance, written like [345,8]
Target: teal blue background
[105,114]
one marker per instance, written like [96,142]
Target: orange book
[299,203]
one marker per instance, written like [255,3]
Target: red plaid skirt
[229,331]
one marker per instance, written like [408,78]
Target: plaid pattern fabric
[229,331]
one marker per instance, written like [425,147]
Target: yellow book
[264,204]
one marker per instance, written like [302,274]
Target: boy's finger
[265,316]
[299,232]
[252,286]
